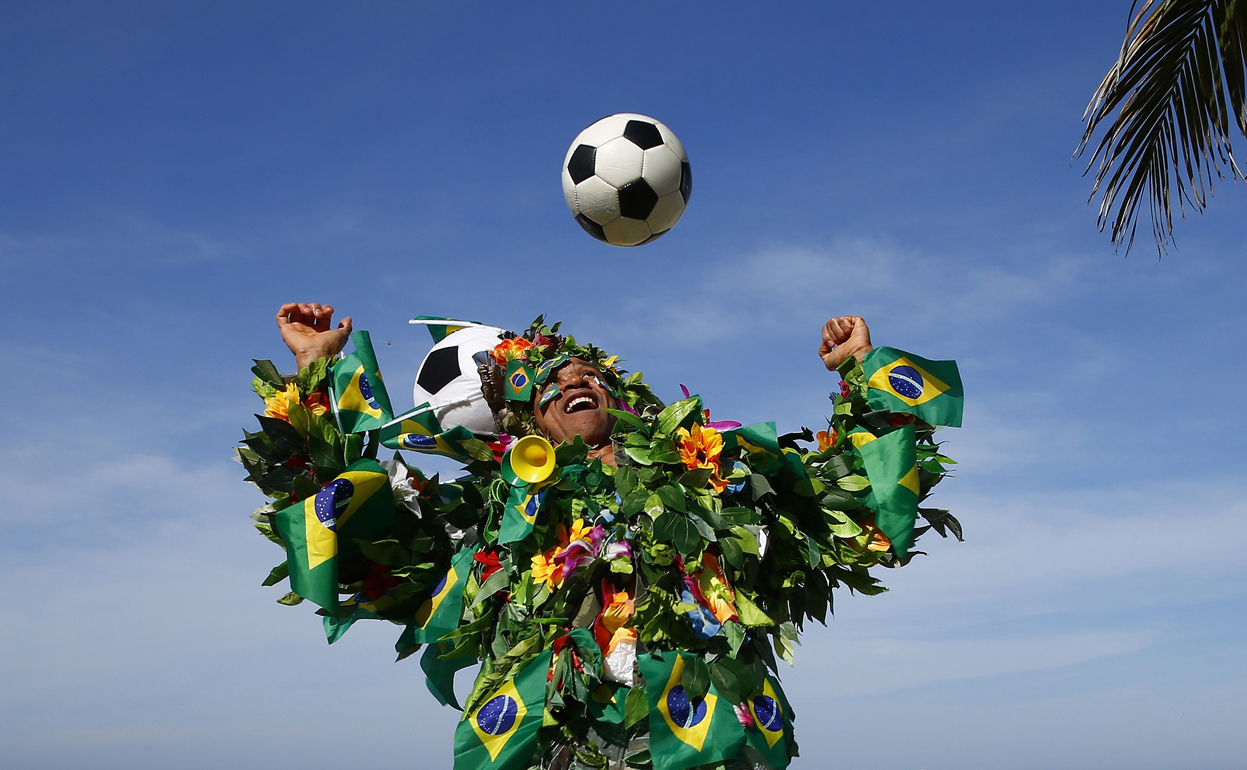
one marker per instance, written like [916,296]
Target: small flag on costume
[440,613]
[419,431]
[903,382]
[683,732]
[519,381]
[759,441]
[892,466]
[439,331]
[523,504]
[357,392]
[502,733]
[357,504]
[439,673]
[772,724]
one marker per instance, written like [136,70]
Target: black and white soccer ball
[627,179]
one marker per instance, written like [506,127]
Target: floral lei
[696,542]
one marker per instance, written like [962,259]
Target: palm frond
[1180,76]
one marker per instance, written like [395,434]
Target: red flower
[844,389]
[488,557]
[379,581]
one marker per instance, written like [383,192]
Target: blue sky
[171,173]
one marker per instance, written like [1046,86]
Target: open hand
[307,329]
[844,336]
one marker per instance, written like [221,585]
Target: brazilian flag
[772,724]
[523,504]
[440,613]
[892,466]
[439,673]
[419,431]
[501,734]
[439,327]
[683,732]
[356,390]
[357,504]
[759,442]
[519,385]
[903,382]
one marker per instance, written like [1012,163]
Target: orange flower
[872,537]
[547,570]
[701,449]
[279,405]
[826,439]
[510,350]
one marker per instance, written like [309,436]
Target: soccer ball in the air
[448,381]
[627,179]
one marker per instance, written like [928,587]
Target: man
[307,329]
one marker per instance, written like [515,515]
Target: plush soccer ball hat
[627,179]
[448,380]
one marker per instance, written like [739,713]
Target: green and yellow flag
[439,672]
[356,390]
[439,326]
[760,443]
[356,504]
[772,724]
[891,462]
[519,385]
[686,732]
[903,382]
[419,431]
[441,612]
[501,734]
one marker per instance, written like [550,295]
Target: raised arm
[307,329]
[844,336]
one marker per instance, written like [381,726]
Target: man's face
[578,409]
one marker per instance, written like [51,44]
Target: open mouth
[580,404]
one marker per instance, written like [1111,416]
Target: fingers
[345,325]
[312,314]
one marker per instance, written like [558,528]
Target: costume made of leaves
[705,550]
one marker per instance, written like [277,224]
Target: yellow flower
[547,570]
[872,537]
[701,449]
[279,405]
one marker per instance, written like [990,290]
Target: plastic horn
[532,459]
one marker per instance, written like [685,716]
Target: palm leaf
[1181,74]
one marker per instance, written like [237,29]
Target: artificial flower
[700,448]
[488,557]
[743,715]
[872,538]
[510,350]
[278,405]
[826,439]
[547,570]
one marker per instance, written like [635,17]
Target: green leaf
[495,583]
[634,502]
[697,478]
[695,677]
[735,634]
[266,371]
[731,678]
[636,707]
[638,455]
[290,599]
[625,481]
[853,483]
[677,529]
[278,574]
[672,498]
[750,614]
[477,449]
[282,434]
[737,515]
[733,554]
[388,552]
[760,486]
[627,418]
[670,418]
